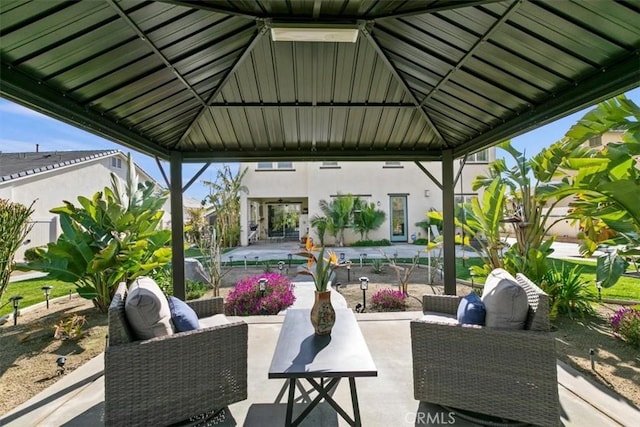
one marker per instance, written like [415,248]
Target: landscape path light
[15,301]
[364,285]
[280,266]
[47,291]
[348,271]
[262,286]
[60,363]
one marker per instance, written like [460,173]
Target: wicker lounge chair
[509,374]
[169,379]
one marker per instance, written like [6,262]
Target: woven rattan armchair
[169,379]
[509,374]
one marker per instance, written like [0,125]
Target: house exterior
[566,229]
[48,178]
[283,197]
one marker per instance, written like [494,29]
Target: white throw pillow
[505,300]
[147,309]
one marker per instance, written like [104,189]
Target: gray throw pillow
[505,301]
[147,309]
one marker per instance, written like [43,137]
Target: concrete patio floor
[387,400]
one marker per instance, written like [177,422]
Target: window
[116,163]
[329,165]
[596,141]
[274,165]
[392,165]
[464,198]
[479,157]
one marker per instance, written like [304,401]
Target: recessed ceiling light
[314,34]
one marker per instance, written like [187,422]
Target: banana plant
[113,236]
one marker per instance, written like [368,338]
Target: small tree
[224,196]
[14,227]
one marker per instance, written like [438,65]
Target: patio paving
[387,400]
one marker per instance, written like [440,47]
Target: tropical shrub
[112,237]
[363,243]
[389,300]
[377,265]
[246,299]
[14,227]
[367,217]
[162,276]
[568,293]
[626,324]
[338,212]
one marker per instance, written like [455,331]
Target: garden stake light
[15,301]
[364,285]
[60,362]
[47,290]
[348,271]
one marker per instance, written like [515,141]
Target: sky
[21,129]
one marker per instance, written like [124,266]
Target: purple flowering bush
[246,299]
[626,324]
[388,300]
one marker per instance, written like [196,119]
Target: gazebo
[222,80]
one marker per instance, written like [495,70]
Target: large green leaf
[609,268]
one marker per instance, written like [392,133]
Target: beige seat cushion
[442,318]
[215,320]
[147,309]
[505,301]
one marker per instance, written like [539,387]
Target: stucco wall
[373,181]
[49,189]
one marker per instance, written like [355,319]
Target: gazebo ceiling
[205,77]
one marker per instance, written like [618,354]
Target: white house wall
[372,181]
[50,188]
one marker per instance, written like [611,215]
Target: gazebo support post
[448,223]
[177,226]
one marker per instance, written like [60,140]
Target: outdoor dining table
[321,360]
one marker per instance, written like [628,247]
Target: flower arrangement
[389,300]
[319,267]
[246,299]
[626,325]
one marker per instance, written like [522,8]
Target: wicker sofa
[169,379]
[509,374]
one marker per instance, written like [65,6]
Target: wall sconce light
[427,193]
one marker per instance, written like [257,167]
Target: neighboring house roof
[18,165]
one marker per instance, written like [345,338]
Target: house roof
[18,165]
[204,81]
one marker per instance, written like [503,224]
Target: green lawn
[32,293]
[30,290]
[626,287]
